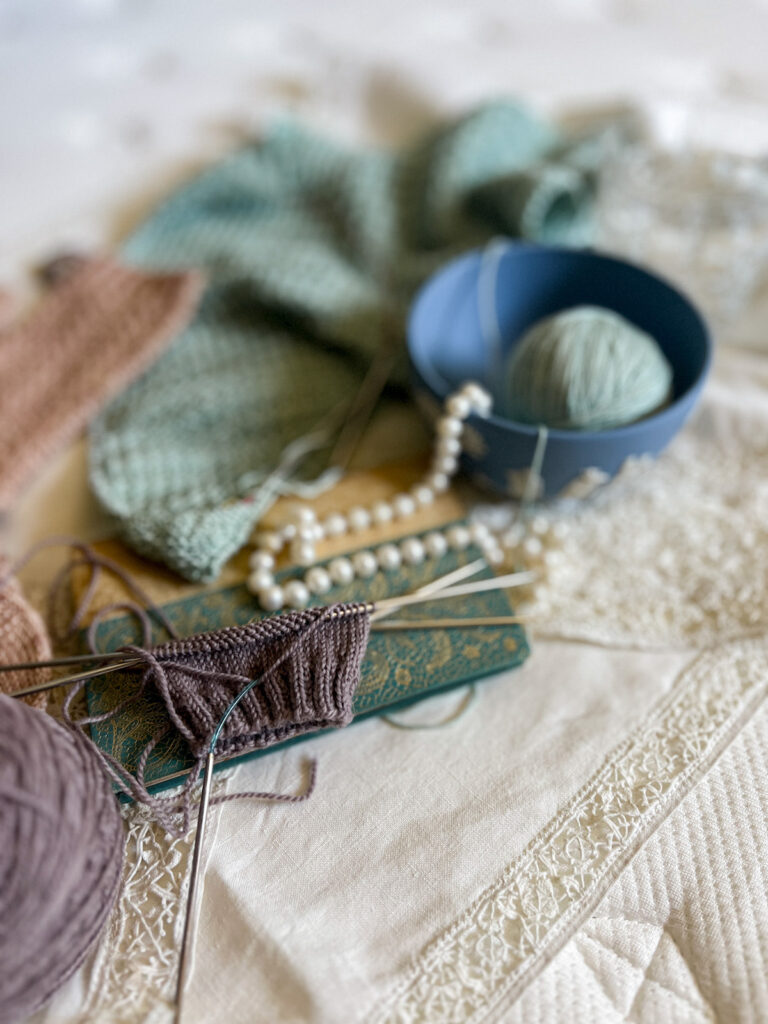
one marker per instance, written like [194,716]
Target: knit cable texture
[312,252]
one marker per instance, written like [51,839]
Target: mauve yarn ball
[586,368]
[61,855]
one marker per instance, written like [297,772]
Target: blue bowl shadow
[448,344]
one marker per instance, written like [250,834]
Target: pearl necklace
[303,530]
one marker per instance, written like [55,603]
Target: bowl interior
[453,337]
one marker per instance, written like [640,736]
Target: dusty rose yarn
[23,637]
[61,855]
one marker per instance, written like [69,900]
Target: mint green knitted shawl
[312,252]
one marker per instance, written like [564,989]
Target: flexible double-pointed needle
[443,588]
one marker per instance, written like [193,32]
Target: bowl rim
[434,380]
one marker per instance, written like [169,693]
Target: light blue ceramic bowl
[448,345]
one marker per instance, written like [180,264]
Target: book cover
[399,667]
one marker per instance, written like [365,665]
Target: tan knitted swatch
[97,329]
[23,637]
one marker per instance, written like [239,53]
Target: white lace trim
[674,552]
[516,924]
[133,975]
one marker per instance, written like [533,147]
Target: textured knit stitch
[307,668]
[98,328]
[23,637]
[313,253]
[311,678]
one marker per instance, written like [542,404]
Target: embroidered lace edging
[516,925]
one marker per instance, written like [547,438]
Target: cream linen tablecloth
[587,842]
[588,837]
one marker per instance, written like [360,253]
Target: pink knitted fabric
[98,328]
[23,637]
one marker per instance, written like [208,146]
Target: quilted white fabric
[492,952]
[682,936]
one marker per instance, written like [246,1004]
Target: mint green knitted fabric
[312,252]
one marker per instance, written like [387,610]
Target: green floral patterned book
[399,667]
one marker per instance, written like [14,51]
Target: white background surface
[105,103]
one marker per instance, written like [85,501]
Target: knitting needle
[100,670]
[194,877]
[480,620]
[513,579]
[385,605]
[361,409]
[393,625]
[456,576]
[71,659]
[197,853]
[117,656]
[435,590]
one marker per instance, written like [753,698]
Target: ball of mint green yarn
[586,368]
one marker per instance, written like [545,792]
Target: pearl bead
[447,464]
[296,594]
[449,426]
[365,564]
[359,518]
[318,581]
[289,531]
[478,398]
[303,552]
[513,536]
[271,598]
[404,506]
[318,531]
[261,560]
[423,495]
[539,525]
[341,571]
[493,554]
[308,533]
[560,531]
[459,406]
[269,540]
[532,547]
[435,544]
[458,538]
[259,580]
[480,534]
[335,525]
[438,482]
[389,558]
[382,513]
[412,551]
[447,446]
[303,515]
